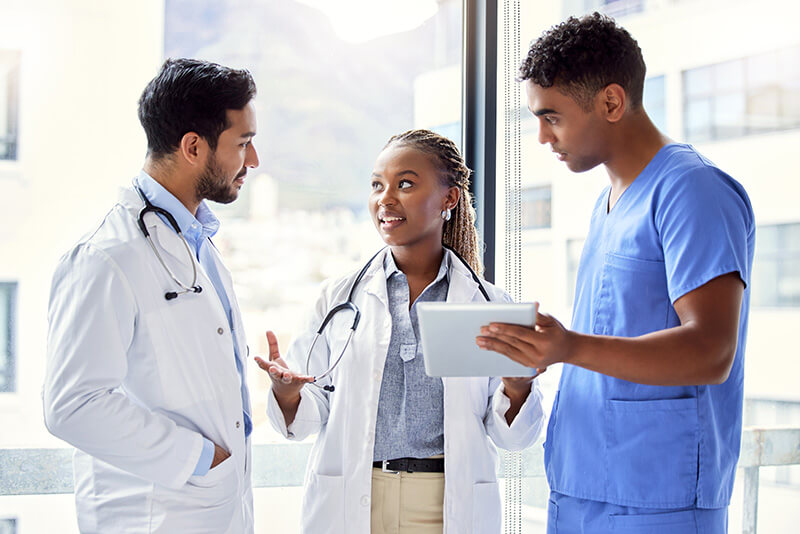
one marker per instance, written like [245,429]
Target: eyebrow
[247,134]
[545,111]
[401,173]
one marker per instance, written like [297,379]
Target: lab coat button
[237,424]
[364,500]
[220,331]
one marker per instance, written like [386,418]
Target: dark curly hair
[582,56]
[189,95]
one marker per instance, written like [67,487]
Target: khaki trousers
[407,503]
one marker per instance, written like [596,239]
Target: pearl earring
[446,214]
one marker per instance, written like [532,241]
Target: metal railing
[49,471]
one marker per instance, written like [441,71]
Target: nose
[545,135]
[386,197]
[251,157]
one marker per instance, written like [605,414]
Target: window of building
[776,268]
[8,294]
[743,96]
[8,526]
[655,101]
[9,103]
[536,204]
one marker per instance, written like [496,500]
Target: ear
[613,102]
[193,149]
[452,197]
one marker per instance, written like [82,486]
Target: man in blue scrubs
[645,430]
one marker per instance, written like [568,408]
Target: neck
[420,260]
[636,142]
[174,181]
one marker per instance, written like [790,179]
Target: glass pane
[729,115]
[536,207]
[654,99]
[698,82]
[388,68]
[697,120]
[8,526]
[729,76]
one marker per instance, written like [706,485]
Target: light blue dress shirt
[410,422]
[198,232]
[681,223]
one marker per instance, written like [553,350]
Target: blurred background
[337,78]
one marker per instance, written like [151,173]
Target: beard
[214,185]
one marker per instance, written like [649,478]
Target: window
[8,293]
[744,96]
[655,102]
[776,268]
[536,207]
[9,103]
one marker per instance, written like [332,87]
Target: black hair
[583,55]
[190,95]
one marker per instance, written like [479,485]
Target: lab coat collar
[462,288]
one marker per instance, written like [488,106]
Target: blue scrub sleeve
[206,459]
[704,220]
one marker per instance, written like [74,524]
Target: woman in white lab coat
[385,414]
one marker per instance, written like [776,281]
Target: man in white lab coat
[146,351]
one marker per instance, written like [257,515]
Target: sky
[357,21]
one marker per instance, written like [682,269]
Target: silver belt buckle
[385,469]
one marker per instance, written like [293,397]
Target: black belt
[411,465]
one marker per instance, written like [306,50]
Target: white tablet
[448,333]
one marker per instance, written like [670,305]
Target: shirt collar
[204,225]
[390,267]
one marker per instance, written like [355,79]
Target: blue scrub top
[681,223]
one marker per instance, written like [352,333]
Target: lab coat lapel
[375,280]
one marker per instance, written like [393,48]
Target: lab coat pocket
[652,452]
[215,475]
[632,299]
[486,508]
[201,505]
[324,504]
[667,523]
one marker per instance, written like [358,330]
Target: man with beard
[145,373]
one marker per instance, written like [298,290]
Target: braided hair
[459,233]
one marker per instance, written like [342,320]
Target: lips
[389,221]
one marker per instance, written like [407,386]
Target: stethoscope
[148,208]
[350,305]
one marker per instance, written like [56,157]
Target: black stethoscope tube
[350,305]
[151,208]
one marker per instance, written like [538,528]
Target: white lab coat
[338,477]
[135,382]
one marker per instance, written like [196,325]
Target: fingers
[272,341]
[496,344]
[281,374]
[509,332]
